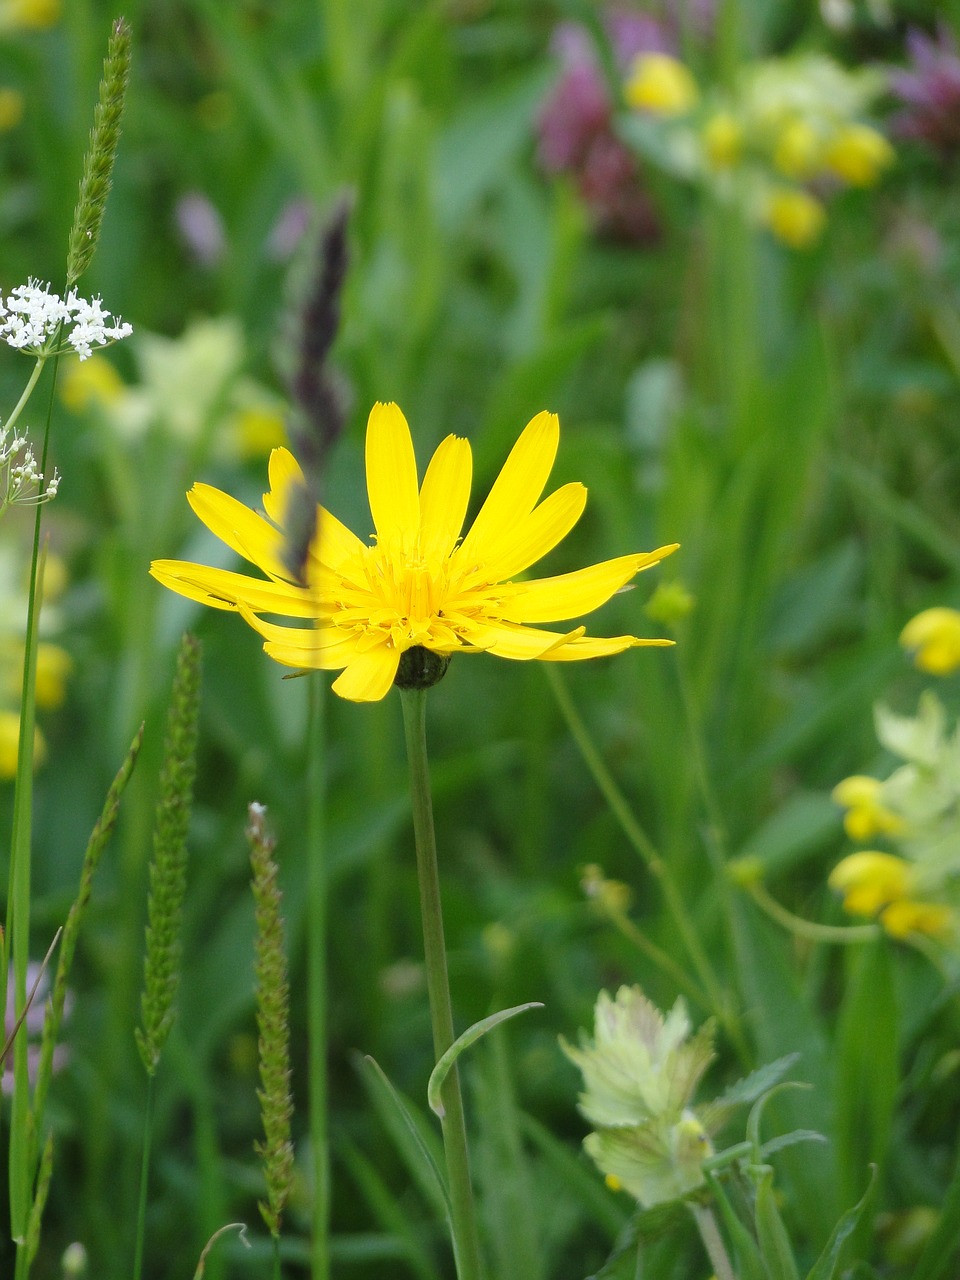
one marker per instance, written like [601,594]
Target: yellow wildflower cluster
[916,889]
[790,132]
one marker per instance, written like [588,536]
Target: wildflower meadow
[480,640]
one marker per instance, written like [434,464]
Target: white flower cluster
[30,315]
[21,480]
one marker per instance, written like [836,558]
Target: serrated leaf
[790,1140]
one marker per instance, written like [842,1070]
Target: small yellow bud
[11,109]
[933,637]
[902,918]
[661,85]
[670,603]
[53,667]
[794,216]
[798,150]
[258,431]
[723,140]
[10,744]
[858,155]
[870,881]
[745,871]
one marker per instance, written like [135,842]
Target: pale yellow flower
[933,637]
[10,744]
[858,154]
[723,140]
[866,815]
[54,665]
[661,85]
[419,586]
[90,383]
[29,14]
[798,150]
[794,216]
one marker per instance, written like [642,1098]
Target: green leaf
[826,1265]
[757,1082]
[472,1034]
[772,1234]
[790,1140]
[867,1066]
[750,1264]
[407,1131]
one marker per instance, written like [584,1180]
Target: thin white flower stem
[27,391]
[713,1242]
[463,1224]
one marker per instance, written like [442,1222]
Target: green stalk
[463,1224]
[27,392]
[712,1241]
[317,986]
[144,1177]
[641,843]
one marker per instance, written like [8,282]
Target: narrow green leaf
[757,1082]
[750,1264]
[472,1034]
[407,1134]
[772,1234]
[939,1256]
[784,1140]
[826,1265]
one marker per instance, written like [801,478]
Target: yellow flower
[418,586]
[28,14]
[797,151]
[11,109]
[723,140]
[794,216]
[858,154]
[933,637]
[91,383]
[10,744]
[53,667]
[660,84]
[879,884]
[258,430]
[866,816]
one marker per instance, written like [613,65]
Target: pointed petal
[571,595]
[333,543]
[284,472]
[369,676]
[392,478]
[240,528]
[319,648]
[508,640]
[518,486]
[444,496]
[582,647]
[222,589]
[524,542]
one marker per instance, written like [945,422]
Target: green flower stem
[27,392]
[809,929]
[642,843]
[713,1242]
[464,1223]
[317,986]
[144,1177]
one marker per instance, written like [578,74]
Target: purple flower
[32,1026]
[930,90]
[575,128]
[201,229]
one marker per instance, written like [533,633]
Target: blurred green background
[790,417]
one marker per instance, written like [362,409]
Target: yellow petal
[222,589]
[369,676]
[333,543]
[444,496]
[284,472]
[582,647]
[524,542]
[241,529]
[507,640]
[518,486]
[319,648]
[392,478]
[571,595]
